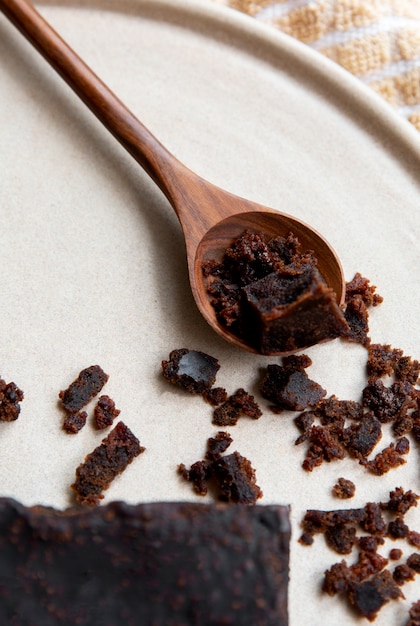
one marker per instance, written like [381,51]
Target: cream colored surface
[92,259]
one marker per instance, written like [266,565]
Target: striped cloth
[376,40]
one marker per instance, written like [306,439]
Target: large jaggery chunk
[166,564]
[289,312]
[104,464]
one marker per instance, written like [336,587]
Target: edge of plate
[262,39]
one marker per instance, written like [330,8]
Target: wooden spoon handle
[155,159]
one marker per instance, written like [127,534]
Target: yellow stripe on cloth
[376,40]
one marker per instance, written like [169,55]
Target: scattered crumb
[344,489]
[238,404]
[192,370]
[104,464]
[10,397]
[105,412]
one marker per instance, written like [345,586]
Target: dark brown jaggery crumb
[400,501]
[73,422]
[414,614]
[86,386]
[398,529]
[402,574]
[10,397]
[357,318]
[235,479]
[104,464]
[192,370]
[341,538]
[105,412]
[389,458]
[238,404]
[382,359]
[395,554]
[360,286]
[413,561]
[414,538]
[344,489]
[289,387]
[361,438]
[232,475]
[387,403]
[215,396]
[369,596]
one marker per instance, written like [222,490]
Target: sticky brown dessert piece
[104,464]
[81,391]
[369,596]
[156,563]
[238,404]
[389,458]
[289,312]
[403,574]
[192,370]
[272,295]
[344,489]
[232,475]
[360,296]
[414,614]
[400,501]
[289,387]
[73,422]
[105,412]
[215,396]
[10,398]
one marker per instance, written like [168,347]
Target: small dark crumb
[289,387]
[400,501]
[360,296]
[238,404]
[414,614]
[395,554]
[402,574]
[104,464]
[215,396]
[414,538]
[341,538]
[382,359]
[413,561]
[344,488]
[10,397]
[398,529]
[387,403]
[389,458]
[86,386]
[192,370]
[361,286]
[369,596]
[105,412]
[232,475]
[73,422]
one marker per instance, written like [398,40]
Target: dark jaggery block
[105,412]
[190,369]
[81,391]
[288,312]
[104,464]
[73,422]
[344,489]
[289,387]
[166,564]
[238,404]
[10,397]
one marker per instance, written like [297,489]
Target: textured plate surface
[92,258]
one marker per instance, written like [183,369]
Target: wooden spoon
[211,218]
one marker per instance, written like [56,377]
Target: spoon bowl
[211,218]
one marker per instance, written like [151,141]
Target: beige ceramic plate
[92,258]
